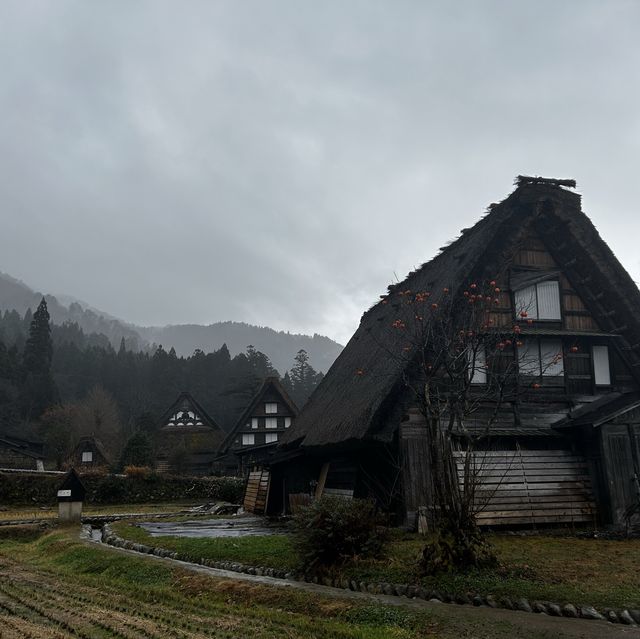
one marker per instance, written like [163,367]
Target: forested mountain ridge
[280,346]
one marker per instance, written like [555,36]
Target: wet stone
[589,612]
[505,602]
[401,590]
[554,609]
[388,589]
[635,614]
[625,617]
[490,601]
[477,601]
[569,610]
[539,607]
[612,616]
[523,604]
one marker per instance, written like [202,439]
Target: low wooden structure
[71,495]
[257,491]
[17,453]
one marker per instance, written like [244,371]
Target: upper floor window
[539,301]
[87,456]
[270,437]
[271,422]
[601,369]
[248,439]
[270,408]
[254,422]
[287,422]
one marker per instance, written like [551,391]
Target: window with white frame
[601,369]
[87,456]
[270,437]
[254,422]
[539,301]
[248,439]
[271,408]
[287,422]
[271,422]
[541,358]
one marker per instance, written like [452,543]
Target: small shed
[71,496]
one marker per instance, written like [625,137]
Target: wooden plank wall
[529,487]
[257,491]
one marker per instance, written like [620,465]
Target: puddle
[232,527]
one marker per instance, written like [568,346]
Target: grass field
[54,586]
[21,513]
[549,568]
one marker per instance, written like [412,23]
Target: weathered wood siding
[529,487]
[416,475]
[257,491]
[621,463]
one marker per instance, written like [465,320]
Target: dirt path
[482,619]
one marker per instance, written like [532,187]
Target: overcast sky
[281,162]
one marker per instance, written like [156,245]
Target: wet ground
[218,527]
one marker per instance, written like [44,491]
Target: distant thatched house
[187,439]
[90,453]
[261,426]
[17,453]
[573,446]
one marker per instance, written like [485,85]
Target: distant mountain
[280,346]
[16,295]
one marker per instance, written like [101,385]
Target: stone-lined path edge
[394,594]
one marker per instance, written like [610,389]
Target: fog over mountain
[280,346]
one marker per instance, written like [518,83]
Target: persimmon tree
[461,371]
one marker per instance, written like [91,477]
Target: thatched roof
[353,401]
[95,445]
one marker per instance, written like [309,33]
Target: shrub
[456,549]
[137,472]
[333,529]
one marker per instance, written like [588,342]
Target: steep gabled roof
[24,447]
[269,384]
[350,403]
[95,443]
[186,402]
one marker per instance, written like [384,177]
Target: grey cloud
[278,162]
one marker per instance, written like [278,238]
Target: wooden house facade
[187,439]
[260,428]
[568,450]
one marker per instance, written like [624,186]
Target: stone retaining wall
[628,617]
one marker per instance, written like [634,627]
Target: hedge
[40,490]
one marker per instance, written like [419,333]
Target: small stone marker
[70,497]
